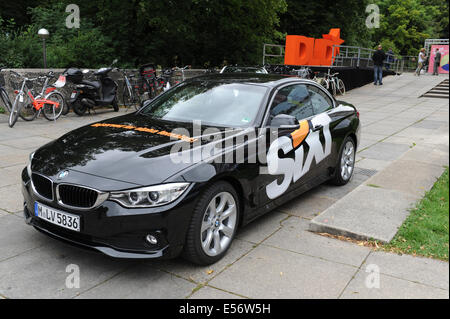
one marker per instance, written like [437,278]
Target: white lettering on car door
[294,169]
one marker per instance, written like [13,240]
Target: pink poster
[443,66]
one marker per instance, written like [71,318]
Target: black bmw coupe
[180,175]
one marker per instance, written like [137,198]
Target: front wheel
[14,115]
[126,98]
[115,104]
[5,98]
[344,168]
[53,111]
[213,224]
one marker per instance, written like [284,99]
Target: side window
[320,101]
[294,100]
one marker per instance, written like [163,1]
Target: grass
[425,232]
[2,110]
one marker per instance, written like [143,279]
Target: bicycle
[332,83]
[4,97]
[177,69]
[130,95]
[304,72]
[28,106]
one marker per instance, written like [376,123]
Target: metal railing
[430,42]
[265,54]
[362,58]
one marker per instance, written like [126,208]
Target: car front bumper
[117,231]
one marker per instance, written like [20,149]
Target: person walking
[378,60]
[437,62]
[389,58]
[421,60]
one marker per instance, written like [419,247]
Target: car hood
[132,148]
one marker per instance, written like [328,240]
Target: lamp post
[44,34]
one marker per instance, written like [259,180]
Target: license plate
[57,217]
[73,95]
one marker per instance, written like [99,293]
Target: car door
[339,118]
[325,121]
[286,148]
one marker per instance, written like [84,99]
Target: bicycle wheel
[27,112]
[323,82]
[5,98]
[52,112]
[14,115]
[137,100]
[333,87]
[341,87]
[126,98]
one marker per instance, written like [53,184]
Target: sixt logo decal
[148,130]
[294,169]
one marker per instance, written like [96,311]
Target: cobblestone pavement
[273,257]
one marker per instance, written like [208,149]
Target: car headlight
[150,196]
[29,164]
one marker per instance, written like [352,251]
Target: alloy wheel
[347,161]
[218,224]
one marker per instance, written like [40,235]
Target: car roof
[269,80]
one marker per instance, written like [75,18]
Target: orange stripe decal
[299,135]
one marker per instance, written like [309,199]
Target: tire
[79,108]
[137,101]
[346,163]
[14,115]
[126,98]
[341,87]
[27,112]
[115,104]
[50,112]
[66,108]
[6,101]
[210,235]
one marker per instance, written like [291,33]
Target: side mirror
[285,121]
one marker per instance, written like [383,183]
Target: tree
[314,18]
[406,24]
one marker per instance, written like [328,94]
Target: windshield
[214,103]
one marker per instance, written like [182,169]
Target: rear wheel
[213,224]
[52,112]
[346,164]
[341,87]
[79,108]
[26,109]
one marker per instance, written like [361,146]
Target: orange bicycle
[28,106]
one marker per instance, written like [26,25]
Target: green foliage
[314,18]
[203,33]
[405,24]
[86,46]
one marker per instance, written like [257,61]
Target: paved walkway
[273,257]
[405,139]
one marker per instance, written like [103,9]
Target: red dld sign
[301,50]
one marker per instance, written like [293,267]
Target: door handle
[317,127]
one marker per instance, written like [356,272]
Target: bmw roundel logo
[63,174]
